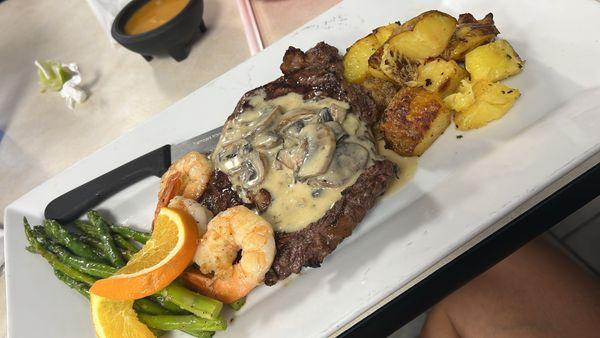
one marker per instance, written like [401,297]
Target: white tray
[461,187]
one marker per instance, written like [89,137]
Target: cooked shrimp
[198,212]
[235,231]
[187,177]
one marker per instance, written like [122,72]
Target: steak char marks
[316,73]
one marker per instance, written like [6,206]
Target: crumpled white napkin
[52,73]
[70,89]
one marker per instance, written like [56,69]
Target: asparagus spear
[80,287]
[172,307]
[132,234]
[128,249]
[81,264]
[149,307]
[128,255]
[62,236]
[126,232]
[141,305]
[145,306]
[195,303]
[52,259]
[176,293]
[94,243]
[191,323]
[180,300]
[124,244]
[237,305]
[87,228]
[108,243]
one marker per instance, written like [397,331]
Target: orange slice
[116,319]
[164,257]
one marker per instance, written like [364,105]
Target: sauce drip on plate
[153,14]
[407,166]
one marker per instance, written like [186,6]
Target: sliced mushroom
[256,120]
[292,131]
[320,146]
[229,133]
[292,157]
[252,171]
[348,160]
[337,113]
[231,156]
[242,163]
[261,199]
[324,115]
[337,129]
[299,116]
[266,140]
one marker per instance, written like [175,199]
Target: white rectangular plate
[461,187]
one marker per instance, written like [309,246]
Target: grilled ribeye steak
[310,246]
[314,73]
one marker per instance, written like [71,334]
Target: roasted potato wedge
[470,33]
[380,90]
[478,104]
[424,36]
[414,119]
[440,76]
[399,68]
[374,62]
[356,60]
[383,33]
[493,62]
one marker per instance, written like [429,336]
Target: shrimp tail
[201,283]
[168,191]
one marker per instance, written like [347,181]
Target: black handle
[74,203]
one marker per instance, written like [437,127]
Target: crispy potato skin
[383,33]
[375,62]
[356,60]
[397,67]
[381,91]
[493,62]
[470,33]
[480,103]
[413,120]
[410,45]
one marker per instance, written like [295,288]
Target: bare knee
[438,325]
[536,292]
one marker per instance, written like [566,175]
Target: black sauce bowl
[173,38]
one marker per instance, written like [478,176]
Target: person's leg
[535,292]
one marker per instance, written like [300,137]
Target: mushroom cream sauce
[303,152]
